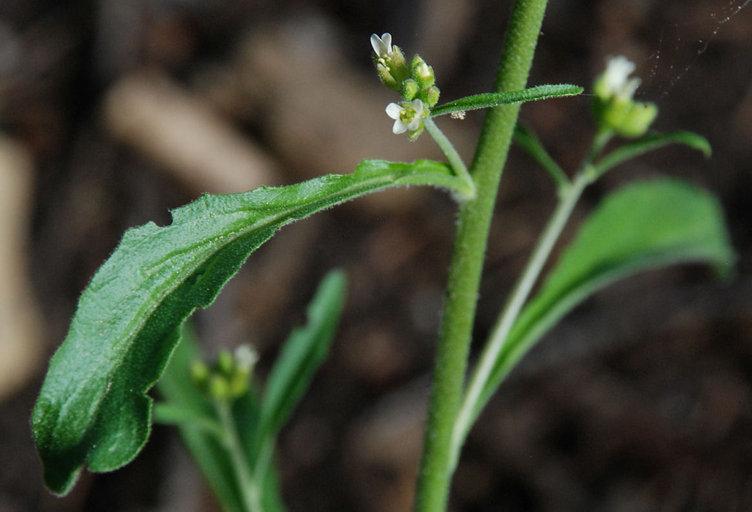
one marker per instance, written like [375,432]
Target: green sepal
[627,118]
[409,89]
[430,96]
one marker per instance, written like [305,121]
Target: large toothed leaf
[639,227]
[93,408]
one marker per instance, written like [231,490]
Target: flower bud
[430,96]
[613,103]
[633,120]
[199,373]
[422,72]
[390,61]
[225,363]
[410,89]
[219,388]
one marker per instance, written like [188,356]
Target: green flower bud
[219,388]
[633,121]
[199,374]
[225,363]
[422,72]
[410,89]
[239,384]
[430,96]
[613,104]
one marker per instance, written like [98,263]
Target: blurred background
[112,113]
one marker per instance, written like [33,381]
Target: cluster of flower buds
[414,83]
[614,106]
[229,377]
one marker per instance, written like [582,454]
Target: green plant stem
[454,158]
[467,261]
[249,492]
[568,199]
[601,138]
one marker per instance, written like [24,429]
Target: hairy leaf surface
[494,99]
[93,407]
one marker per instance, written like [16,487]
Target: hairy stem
[467,261]
[454,158]
[569,196]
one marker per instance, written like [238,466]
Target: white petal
[628,89]
[246,356]
[617,71]
[382,46]
[399,127]
[376,44]
[414,124]
[417,105]
[386,38]
[393,110]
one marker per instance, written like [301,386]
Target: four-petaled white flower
[616,81]
[407,115]
[382,46]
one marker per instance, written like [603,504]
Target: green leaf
[93,406]
[492,99]
[204,444]
[649,143]
[639,227]
[301,355]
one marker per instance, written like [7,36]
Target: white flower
[246,357]
[382,46]
[616,81]
[407,115]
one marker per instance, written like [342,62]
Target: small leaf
[301,355]
[492,99]
[93,406]
[639,227]
[649,143]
